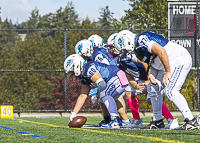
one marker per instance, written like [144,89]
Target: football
[77,122]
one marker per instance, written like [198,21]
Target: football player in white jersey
[170,64]
[109,79]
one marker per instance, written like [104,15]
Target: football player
[100,54]
[109,79]
[170,63]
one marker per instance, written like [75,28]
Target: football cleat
[189,125]
[137,124]
[172,124]
[126,124]
[103,122]
[113,124]
[155,125]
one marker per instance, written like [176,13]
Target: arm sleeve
[150,44]
[101,84]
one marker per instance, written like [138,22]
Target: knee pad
[120,95]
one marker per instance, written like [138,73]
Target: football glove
[73,115]
[94,99]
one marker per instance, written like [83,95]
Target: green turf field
[51,130]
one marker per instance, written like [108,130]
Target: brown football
[77,122]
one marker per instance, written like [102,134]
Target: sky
[19,10]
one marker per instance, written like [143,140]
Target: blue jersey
[106,71]
[136,70]
[100,54]
[142,42]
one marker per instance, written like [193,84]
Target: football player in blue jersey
[109,79]
[100,54]
[170,64]
[136,71]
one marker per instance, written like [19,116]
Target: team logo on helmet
[80,47]
[69,62]
[121,41]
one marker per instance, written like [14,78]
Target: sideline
[103,132]
[56,114]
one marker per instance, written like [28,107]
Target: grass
[55,130]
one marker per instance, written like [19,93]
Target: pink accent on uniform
[111,54]
[122,78]
[112,58]
[165,112]
[134,107]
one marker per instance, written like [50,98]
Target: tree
[22,89]
[7,38]
[57,102]
[106,18]
[33,21]
[144,15]
[67,18]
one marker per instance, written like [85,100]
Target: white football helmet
[84,48]
[74,63]
[125,41]
[111,39]
[96,40]
[110,42]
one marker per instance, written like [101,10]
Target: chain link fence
[32,78]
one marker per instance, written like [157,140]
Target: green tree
[106,18]
[66,18]
[33,21]
[7,38]
[22,89]
[146,14]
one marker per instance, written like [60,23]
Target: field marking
[43,123]
[102,132]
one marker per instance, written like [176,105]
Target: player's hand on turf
[73,115]
[166,78]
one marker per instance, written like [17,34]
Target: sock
[134,107]
[156,102]
[125,120]
[106,118]
[181,103]
[166,113]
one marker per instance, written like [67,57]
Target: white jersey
[177,54]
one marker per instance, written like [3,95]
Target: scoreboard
[182,22]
